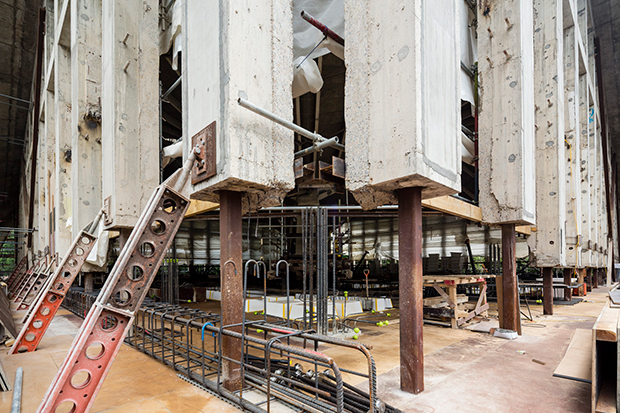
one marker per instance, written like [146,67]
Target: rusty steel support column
[582,280]
[595,275]
[89,282]
[231,283]
[547,274]
[568,276]
[509,282]
[410,295]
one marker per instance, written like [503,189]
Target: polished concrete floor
[465,371]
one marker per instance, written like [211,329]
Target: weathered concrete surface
[548,241]
[86,111]
[232,50]
[585,136]
[130,107]
[63,151]
[402,98]
[571,133]
[506,115]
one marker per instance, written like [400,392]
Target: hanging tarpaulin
[469,53]
[307,77]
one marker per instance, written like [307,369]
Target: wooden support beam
[197,207]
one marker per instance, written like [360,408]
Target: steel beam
[411,287]
[231,283]
[547,273]
[510,313]
[568,277]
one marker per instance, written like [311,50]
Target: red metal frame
[37,285]
[30,274]
[16,271]
[49,302]
[110,318]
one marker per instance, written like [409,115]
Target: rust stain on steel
[411,285]
[205,166]
[509,272]
[232,285]
[44,310]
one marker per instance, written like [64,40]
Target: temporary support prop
[45,307]
[27,279]
[411,287]
[17,271]
[39,283]
[100,337]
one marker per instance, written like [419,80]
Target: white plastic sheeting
[307,77]
[171,152]
[306,36]
[99,254]
[170,37]
[469,54]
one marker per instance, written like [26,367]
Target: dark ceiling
[606,16]
[18,36]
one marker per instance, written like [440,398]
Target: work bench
[446,286]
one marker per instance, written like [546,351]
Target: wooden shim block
[606,326]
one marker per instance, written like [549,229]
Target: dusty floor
[464,371]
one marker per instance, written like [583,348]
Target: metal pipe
[323,28]
[16,406]
[317,147]
[171,88]
[283,122]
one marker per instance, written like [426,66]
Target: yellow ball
[357,330]
[355,337]
[387,323]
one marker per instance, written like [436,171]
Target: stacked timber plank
[605,366]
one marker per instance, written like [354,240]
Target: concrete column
[571,132]
[395,90]
[568,292]
[130,107]
[231,281]
[506,113]
[548,242]
[231,52]
[411,290]
[547,273]
[510,305]
[86,111]
[63,150]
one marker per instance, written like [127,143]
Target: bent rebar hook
[288,304]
